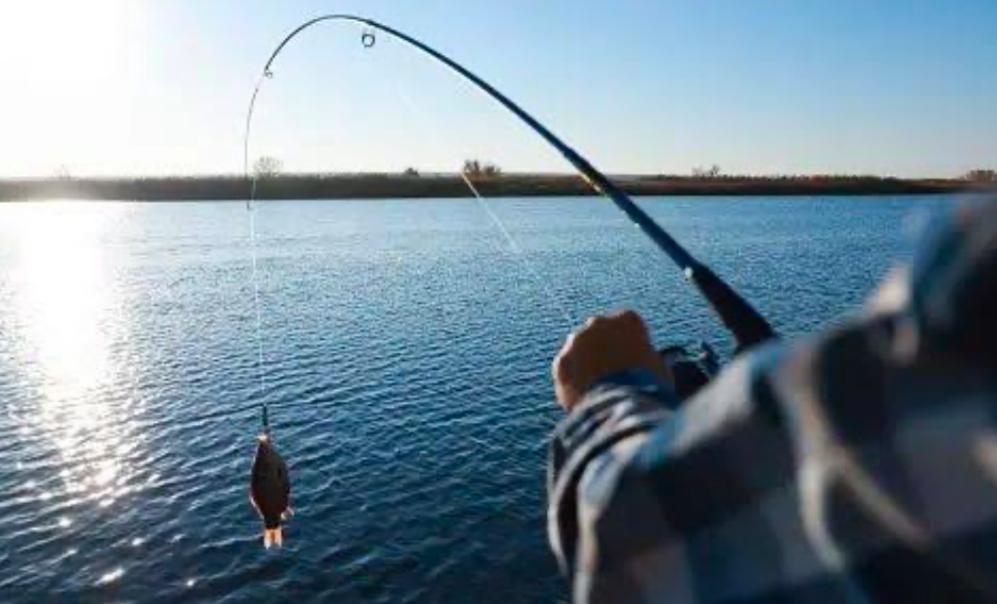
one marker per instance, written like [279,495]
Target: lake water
[406,347]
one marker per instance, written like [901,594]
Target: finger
[561,365]
[595,320]
[557,364]
[630,315]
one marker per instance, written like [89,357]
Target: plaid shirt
[860,465]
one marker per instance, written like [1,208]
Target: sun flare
[69,63]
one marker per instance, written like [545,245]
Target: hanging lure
[269,483]
[270,487]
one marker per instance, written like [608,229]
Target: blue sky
[151,87]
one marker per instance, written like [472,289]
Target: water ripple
[406,356]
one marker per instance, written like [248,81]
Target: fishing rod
[747,325]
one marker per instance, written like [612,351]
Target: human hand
[604,346]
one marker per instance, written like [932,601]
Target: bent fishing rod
[745,323]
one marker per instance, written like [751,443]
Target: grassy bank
[380,186]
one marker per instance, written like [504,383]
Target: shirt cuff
[644,381]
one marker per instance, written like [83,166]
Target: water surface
[405,345]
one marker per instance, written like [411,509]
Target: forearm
[638,489]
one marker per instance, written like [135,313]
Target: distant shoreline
[398,186]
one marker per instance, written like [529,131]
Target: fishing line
[251,209]
[552,296]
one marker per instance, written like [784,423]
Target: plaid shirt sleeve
[828,470]
[860,465]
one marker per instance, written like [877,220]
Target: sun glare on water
[63,308]
[62,292]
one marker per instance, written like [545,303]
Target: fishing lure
[270,488]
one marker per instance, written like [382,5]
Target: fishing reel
[693,365]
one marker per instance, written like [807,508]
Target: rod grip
[746,323]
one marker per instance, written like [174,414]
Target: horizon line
[971,175]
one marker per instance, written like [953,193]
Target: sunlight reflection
[63,295]
[65,307]
[111,577]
